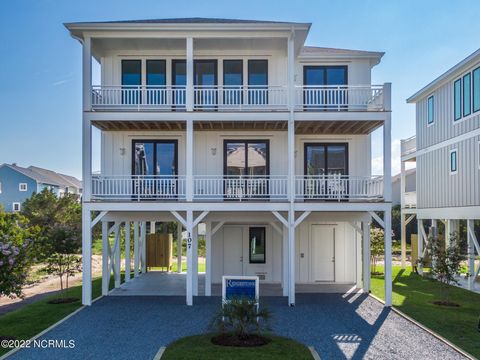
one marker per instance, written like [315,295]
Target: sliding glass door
[154,166]
[232,82]
[324,88]
[246,168]
[179,82]
[131,81]
[205,79]
[257,82]
[156,81]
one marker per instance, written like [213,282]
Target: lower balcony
[236,188]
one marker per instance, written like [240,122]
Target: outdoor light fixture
[214,151]
[122,151]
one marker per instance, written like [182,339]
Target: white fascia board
[343,207]
[341,115]
[447,76]
[454,213]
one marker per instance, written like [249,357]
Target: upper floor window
[232,82]
[22,187]
[325,75]
[476,89]
[257,81]
[156,73]
[131,72]
[430,110]
[467,108]
[457,99]
[453,161]
[16,206]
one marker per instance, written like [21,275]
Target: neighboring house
[235,124]
[18,184]
[446,150]
[410,183]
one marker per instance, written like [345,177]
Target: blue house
[18,184]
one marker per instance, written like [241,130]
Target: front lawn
[201,348]
[413,295]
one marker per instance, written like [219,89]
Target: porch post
[195,259]
[208,258]
[189,66]
[135,249]
[448,232]
[152,227]
[189,258]
[87,128]
[127,251]
[285,261]
[366,255]
[471,253]
[144,246]
[105,259]
[403,239]
[117,254]
[388,256]
[358,257]
[189,161]
[420,245]
[179,247]
[291,257]
[387,144]
[86,256]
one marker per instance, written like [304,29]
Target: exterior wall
[10,180]
[208,163]
[436,187]
[410,185]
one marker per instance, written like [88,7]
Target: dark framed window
[155,157]
[257,82]
[156,80]
[131,80]
[476,89]
[326,159]
[232,82]
[205,76]
[430,110]
[318,98]
[453,161]
[179,81]
[457,99]
[467,104]
[257,245]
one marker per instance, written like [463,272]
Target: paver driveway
[352,326]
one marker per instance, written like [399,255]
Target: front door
[323,253]
[233,251]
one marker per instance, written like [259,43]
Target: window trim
[430,123]
[22,187]
[473,90]
[469,75]
[263,228]
[453,172]
[455,118]
[19,206]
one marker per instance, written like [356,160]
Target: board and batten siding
[437,188]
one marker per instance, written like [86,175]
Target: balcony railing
[238,98]
[240,188]
[338,187]
[410,200]
[408,146]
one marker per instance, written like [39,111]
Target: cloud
[377,162]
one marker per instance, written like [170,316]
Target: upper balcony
[238,98]
[408,148]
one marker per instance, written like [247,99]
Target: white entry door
[323,253]
[232,250]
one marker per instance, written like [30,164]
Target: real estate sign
[240,287]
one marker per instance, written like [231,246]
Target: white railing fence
[338,187]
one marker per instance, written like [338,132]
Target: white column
[87,74]
[471,254]
[189,65]
[388,257]
[179,247]
[366,255]
[195,260]
[402,184]
[117,256]
[403,240]
[152,227]
[87,129]
[291,257]
[387,144]
[136,255]
[448,232]
[420,245]
[358,257]
[86,256]
[189,160]
[285,261]
[144,247]
[208,258]
[189,258]
[105,259]
[127,251]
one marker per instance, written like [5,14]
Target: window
[257,245]
[476,89]
[457,94]
[156,80]
[430,110]
[467,106]
[326,159]
[205,77]
[179,80]
[257,81]
[131,79]
[232,82]
[155,157]
[16,206]
[453,161]
[22,187]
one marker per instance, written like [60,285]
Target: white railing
[229,187]
[138,187]
[339,98]
[139,97]
[338,187]
[408,146]
[238,98]
[410,200]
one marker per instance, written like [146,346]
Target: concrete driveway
[352,326]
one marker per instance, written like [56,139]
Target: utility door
[323,253]
[233,250]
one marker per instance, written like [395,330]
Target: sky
[40,66]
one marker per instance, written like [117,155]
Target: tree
[445,264]
[63,265]
[14,265]
[376,248]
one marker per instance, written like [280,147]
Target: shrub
[14,265]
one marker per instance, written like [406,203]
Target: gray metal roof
[191,20]
[45,176]
[313,50]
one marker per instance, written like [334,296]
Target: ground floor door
[233,250]
[323,253]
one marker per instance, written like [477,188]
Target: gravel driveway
[339,326]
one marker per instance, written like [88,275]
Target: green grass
[201,266]
[413,295]
[201,348]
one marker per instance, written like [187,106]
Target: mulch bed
[232,340]
[445,303]
[67,300]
